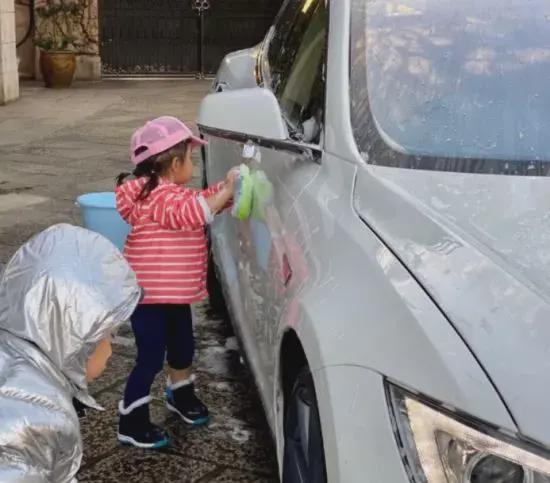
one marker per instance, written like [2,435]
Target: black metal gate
[175,37]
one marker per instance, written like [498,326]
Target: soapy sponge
[244,190]
[262,195]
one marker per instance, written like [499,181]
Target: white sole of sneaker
[129,440]
[200,422]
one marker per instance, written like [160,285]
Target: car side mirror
[237,71]
[252,112]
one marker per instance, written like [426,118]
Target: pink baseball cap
[159,135]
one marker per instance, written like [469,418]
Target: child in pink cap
[167,249]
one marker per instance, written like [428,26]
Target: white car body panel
[435,281]
[485,260]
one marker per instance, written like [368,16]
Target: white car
[392,290]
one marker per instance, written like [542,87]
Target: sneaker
[135,427]
[181,399]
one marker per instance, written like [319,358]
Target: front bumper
[358,436]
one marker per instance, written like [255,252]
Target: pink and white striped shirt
[167,246]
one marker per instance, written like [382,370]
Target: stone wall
[88,64]
[9,79]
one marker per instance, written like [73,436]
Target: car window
[281,29]
[297,54]
[452,85]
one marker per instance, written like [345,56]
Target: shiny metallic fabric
[60,294]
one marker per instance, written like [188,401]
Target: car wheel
[304,456]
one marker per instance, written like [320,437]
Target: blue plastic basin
[99,214]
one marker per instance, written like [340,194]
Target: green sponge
[244,188]
[262,194]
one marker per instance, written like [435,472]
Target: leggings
[162,331]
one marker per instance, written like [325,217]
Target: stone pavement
[55,145]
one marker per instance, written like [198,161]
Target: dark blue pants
[161,332]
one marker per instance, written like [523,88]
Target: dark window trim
[328,4]
[325,65]
[386,156]
[309,151]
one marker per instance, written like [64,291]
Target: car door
[230,237]
[273,241]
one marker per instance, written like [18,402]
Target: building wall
[9,79]
[25,52]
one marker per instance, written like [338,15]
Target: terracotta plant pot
[57,68]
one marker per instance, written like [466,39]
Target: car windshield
[452,80]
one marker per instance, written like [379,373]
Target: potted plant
[61,32]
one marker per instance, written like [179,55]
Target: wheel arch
[293,361]
[292,358]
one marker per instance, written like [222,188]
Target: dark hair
[154,167]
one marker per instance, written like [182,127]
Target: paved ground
[55,145]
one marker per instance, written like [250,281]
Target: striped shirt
[167,246]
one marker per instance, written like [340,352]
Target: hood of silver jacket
[64,291]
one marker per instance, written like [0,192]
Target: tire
[304,455]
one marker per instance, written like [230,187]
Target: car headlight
[440,447]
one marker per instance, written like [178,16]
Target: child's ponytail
[121,177]
[146,169]
[154,167]
[151,184]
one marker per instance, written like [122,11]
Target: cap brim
[196,141]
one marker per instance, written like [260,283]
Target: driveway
[55,145]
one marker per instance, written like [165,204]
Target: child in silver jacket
[61,297]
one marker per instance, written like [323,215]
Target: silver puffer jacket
[60,294]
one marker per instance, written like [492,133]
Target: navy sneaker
[182,400]
[135,427]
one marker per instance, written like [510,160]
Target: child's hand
[218,201]
[230,179]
